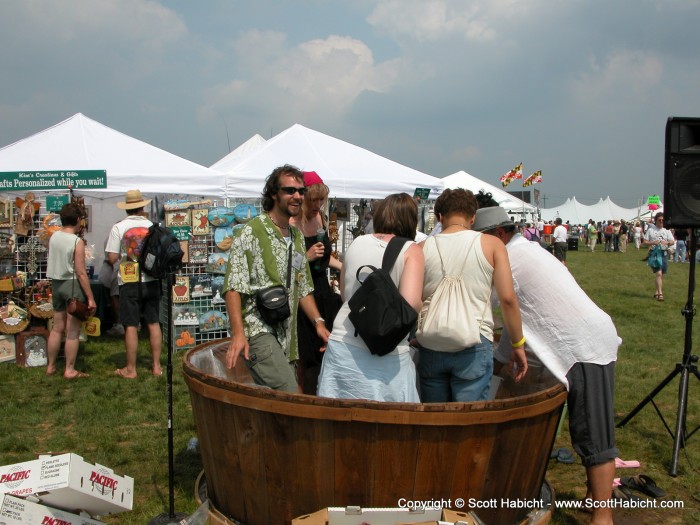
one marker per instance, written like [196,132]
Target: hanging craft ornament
[49,225]
[25,217]
[31,249]
[82,212]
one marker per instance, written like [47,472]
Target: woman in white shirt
[348,369]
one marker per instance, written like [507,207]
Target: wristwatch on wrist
[319,320]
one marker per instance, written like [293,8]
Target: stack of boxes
[61,490]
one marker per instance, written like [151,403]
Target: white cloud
[434,20]
[317,76]
[624,77]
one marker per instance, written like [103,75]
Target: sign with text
[183,233]
[421,193]
[56,203]
[53,180]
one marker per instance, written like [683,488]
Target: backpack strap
[392,252]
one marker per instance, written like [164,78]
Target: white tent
[250,145]
[464,180]
[79,143]
[577,213]
[349,171]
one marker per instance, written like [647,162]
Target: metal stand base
[167,519]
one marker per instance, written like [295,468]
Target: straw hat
[491,218]
[133,200]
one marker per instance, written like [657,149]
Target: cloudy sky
[580,89]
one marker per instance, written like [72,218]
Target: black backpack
[381,316]
[161,253]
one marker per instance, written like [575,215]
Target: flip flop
[157,374]
[622,493]
[643,484]
[121,373]
[563,455]
[621,463]
[78,375]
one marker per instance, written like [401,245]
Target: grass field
[123,424]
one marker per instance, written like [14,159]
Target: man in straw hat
[139,294]
[580,354]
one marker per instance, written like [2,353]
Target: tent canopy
[349,171]
[604,210]
[80,143]
[462,179]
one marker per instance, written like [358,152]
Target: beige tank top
[476,271]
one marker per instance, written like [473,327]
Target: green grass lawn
[123,424]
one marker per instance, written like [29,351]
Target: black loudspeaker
[682,173]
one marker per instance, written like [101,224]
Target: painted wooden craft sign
[221,216]
[244,212]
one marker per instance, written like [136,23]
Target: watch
[319,320]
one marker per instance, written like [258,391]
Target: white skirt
[349,372]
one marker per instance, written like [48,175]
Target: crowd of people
[310,345]
[477,249]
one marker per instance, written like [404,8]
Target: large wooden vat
[270,456]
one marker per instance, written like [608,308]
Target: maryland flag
[533,179]
[515,173]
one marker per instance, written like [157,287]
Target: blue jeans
[456,376]
[681,250]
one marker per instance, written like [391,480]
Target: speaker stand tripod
[171,517]
[687,366]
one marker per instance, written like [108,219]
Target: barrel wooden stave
[270,456]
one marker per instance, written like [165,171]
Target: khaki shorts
[269,365]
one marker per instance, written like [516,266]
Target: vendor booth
[82,158]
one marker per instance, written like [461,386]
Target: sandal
[622,493]
[643,484]
[660,297]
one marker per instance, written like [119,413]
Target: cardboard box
[69,483]
[386,516]
[17,511]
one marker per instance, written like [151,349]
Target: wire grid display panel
[202,307]
[29,254]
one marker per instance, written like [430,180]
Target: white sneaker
[117,331]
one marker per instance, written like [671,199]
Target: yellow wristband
[519,343]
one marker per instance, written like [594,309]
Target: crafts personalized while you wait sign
[52,180]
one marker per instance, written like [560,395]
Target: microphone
[320,234]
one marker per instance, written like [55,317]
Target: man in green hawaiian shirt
[259,258]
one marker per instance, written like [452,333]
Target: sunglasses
[291,190]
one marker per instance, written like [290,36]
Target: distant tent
[253,143]
[577,213]
[464,180]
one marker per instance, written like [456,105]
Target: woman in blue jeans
[464,374]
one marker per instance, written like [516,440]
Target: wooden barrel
[270,456]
